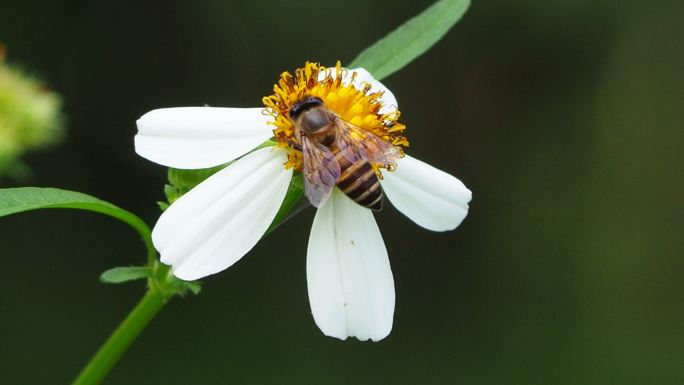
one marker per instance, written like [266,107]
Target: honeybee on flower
[338,153]
[339,127]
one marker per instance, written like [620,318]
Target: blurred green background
[563,117]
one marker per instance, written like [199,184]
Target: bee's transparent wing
[356,144]
[320,170]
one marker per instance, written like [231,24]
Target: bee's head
[303,105]
[308,114]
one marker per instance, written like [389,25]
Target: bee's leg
[294,145]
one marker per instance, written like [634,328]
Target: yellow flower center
[350,99]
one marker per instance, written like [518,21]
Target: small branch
[117,344]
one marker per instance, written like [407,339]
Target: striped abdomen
[360,183]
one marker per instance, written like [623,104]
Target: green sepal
[180,287]
[411,39]
[125,274]
[172,193]
[294,194]
[195,287]
[182,181]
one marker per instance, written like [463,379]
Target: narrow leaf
[411,39]
[17,200]
[124,274]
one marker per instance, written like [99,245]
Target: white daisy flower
[340,129]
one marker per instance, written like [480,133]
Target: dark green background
[563,117]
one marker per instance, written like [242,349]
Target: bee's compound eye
[295,110]
[303,105]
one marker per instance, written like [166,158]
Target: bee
[338,153]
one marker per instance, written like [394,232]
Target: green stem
[121,339]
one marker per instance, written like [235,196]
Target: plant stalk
[117,344]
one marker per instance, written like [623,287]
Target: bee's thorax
[315,120]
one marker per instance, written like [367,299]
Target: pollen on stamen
[351,100]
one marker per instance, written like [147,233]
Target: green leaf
[411,39]
[17,200]
[294,194]
[124,274]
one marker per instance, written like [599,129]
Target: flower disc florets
[353,101]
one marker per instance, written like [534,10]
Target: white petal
[351,289]
[389,102]
[216,223]
[430,197]
[200,137]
